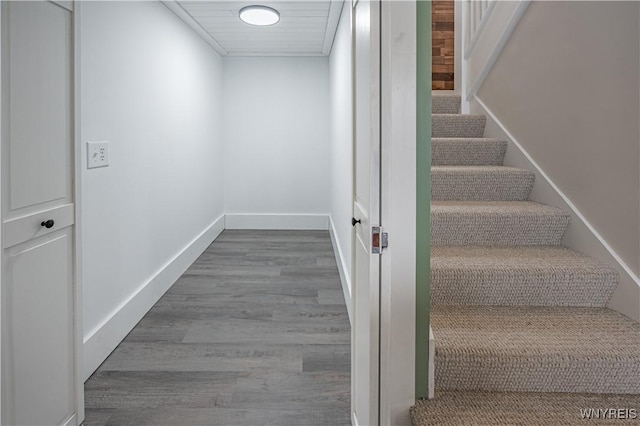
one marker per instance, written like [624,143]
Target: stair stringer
[581,235]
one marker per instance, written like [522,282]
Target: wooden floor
[255,332]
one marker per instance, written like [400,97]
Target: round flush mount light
[259,15]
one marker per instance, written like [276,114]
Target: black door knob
[48,224]
[354,221]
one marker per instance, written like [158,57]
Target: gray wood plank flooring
[255,332]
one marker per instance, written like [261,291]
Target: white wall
[152,88]
[341,179]
[573,114]
[569,96]
[276,132]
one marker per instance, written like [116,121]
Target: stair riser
[469,152]
[457,126]
[495,229]
[538,374]
[517,287]
[481,186]
[447,104]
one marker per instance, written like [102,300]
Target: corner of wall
[101,341]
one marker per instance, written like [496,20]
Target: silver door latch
[379,240]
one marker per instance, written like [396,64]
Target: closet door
[38,321]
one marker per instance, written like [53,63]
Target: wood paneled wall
[442,15]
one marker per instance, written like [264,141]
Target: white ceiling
[306,28]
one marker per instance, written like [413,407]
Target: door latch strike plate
[379,240]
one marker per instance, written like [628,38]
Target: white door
[39,378]
[365,342]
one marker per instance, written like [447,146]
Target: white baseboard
[277,221]
[102,340]
[581,235]
[345,279]
[72,421]
[354,419]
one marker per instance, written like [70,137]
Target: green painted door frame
[423,195]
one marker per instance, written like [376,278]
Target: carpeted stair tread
[467,151]
[519,276]
[490,183]
[469,408]
[457,125]
[536,349]
[445,103]
[511,223]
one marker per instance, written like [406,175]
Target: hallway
[255,332]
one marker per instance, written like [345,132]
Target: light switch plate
[97,154]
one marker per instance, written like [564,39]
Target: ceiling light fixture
[259,15]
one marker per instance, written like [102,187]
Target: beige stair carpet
[523,335]
[536,349]
[457,126]
[446,104]
[467,151]
[466,408]
[503,223]
[477,183]
[519,276]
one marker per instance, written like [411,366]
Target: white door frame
[1,195]
[398,35]
[365,371]
[77,194]
[398,211]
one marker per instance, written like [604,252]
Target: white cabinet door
[38,331]
[365,343]
[38,288]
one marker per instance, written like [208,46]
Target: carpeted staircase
[522,332]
